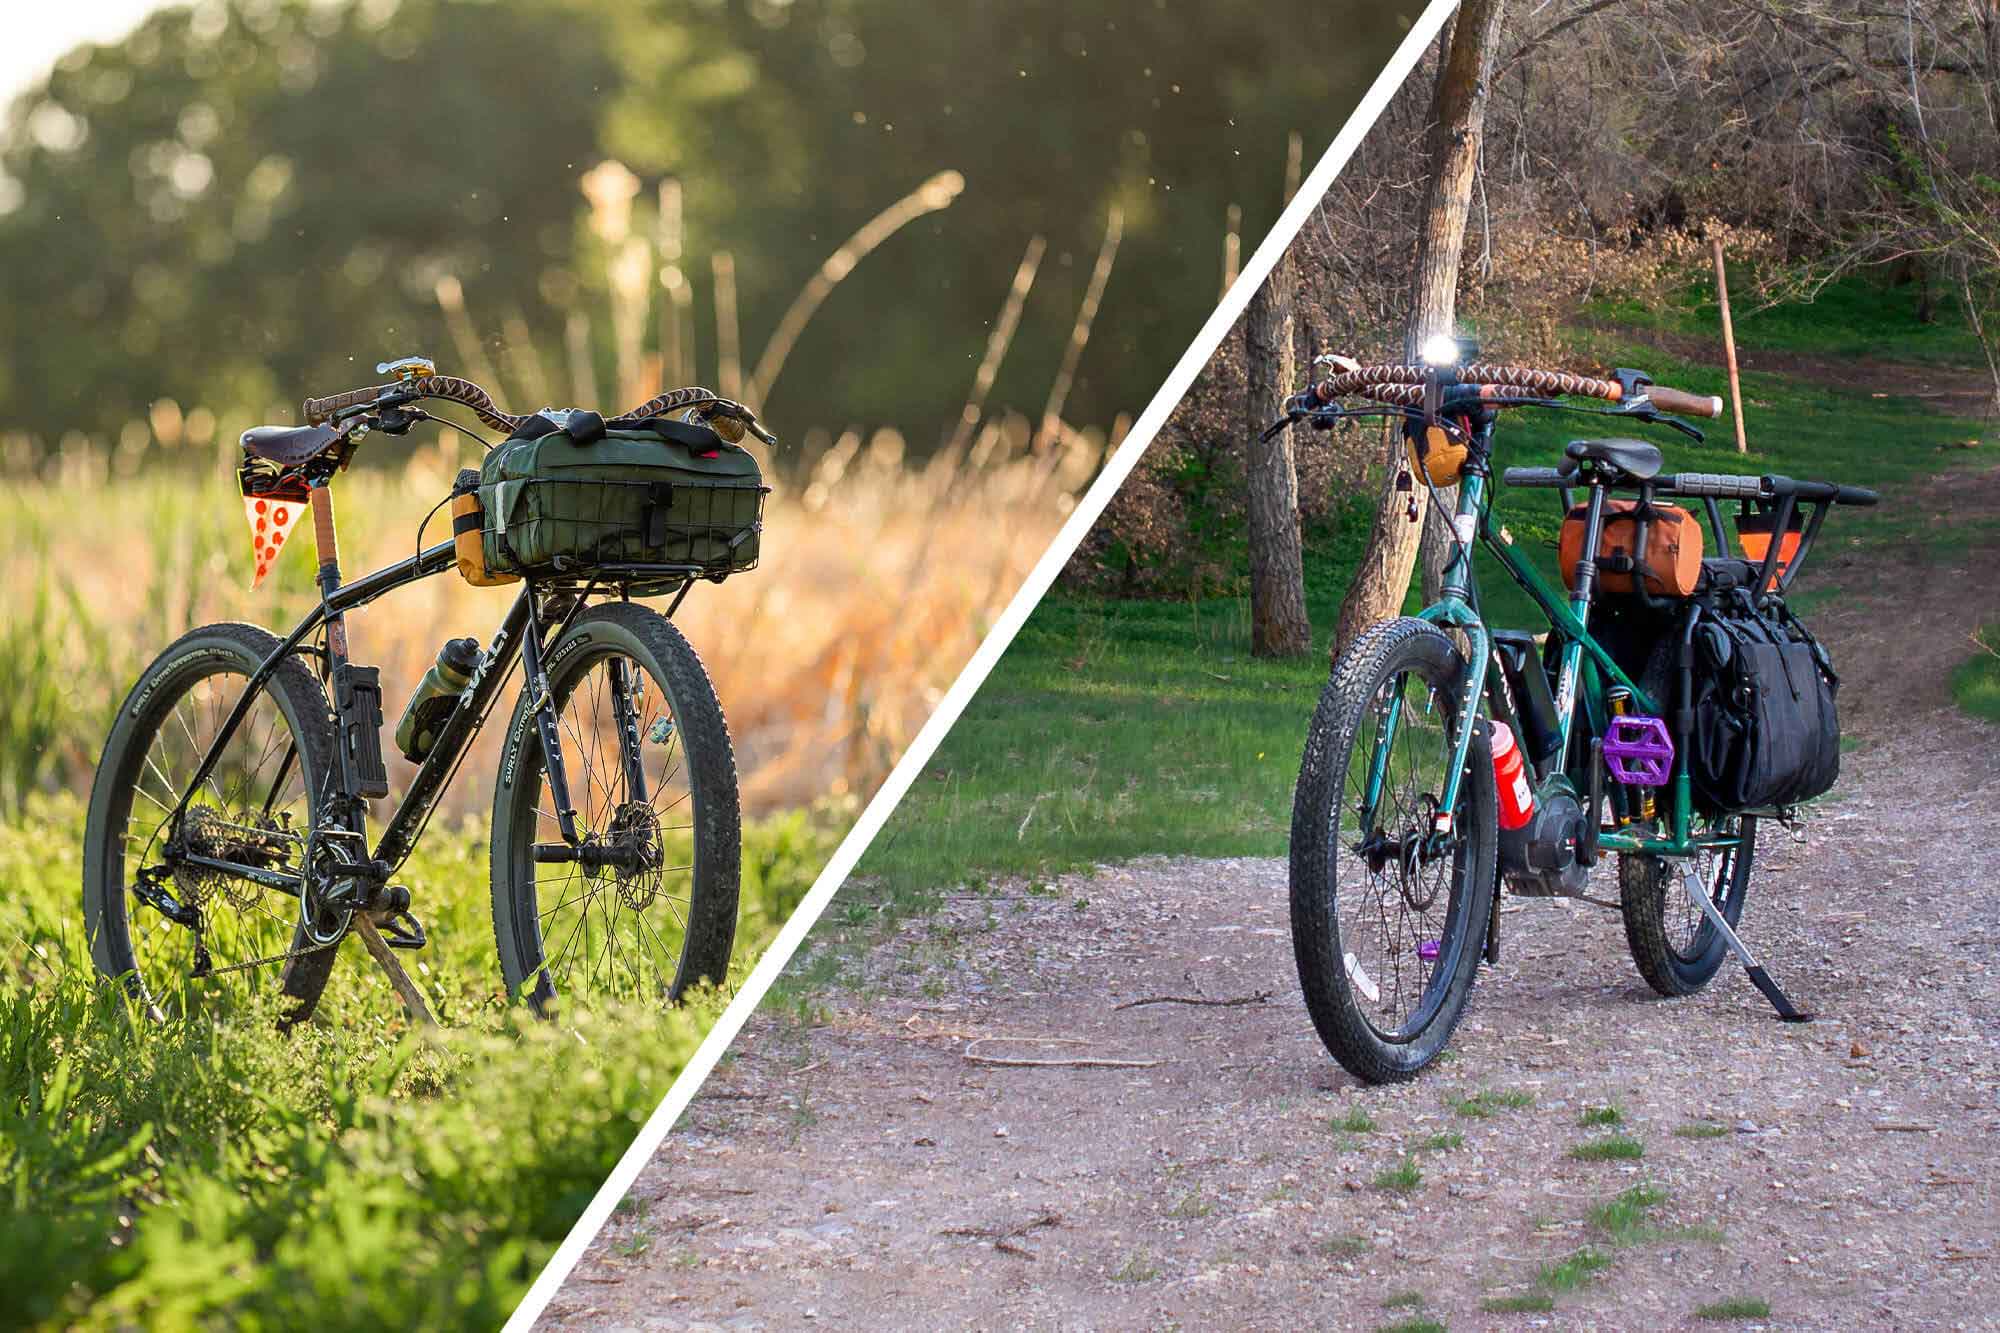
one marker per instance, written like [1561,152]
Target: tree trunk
[1458,120]
[1278,623]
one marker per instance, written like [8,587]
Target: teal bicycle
[1446,758]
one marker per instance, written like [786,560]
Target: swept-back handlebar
[1403,385]
[721,413]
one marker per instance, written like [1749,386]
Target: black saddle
[287,445]
[1635,458]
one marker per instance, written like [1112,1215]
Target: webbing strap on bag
[659,506]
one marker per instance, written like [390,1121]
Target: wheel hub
[630,852]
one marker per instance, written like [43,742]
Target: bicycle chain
[285,957]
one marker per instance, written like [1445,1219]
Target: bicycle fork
[595,850]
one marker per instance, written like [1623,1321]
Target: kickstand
[399,980]
[1758,976]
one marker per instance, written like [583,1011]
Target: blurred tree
[1279,625]
[244,204]
[252,200]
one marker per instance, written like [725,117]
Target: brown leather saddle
[288,446]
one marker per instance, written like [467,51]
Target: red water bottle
[1510,773]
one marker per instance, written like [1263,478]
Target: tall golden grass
[878,580]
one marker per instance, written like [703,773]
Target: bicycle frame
[1586,671]
[522,635]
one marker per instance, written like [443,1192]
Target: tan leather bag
[1438,455]
[1672,558]
[466,521]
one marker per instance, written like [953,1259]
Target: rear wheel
[645,906]
[178,932]
[1389,898]
[1677,948]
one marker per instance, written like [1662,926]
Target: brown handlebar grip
[1684,404]
[317,410]
[661,404]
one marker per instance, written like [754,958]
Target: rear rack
[1768,506]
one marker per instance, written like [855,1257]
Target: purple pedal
[1639,751]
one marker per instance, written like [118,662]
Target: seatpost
[329,566]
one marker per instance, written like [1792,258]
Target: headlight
[1440,351]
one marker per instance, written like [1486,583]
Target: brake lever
[1654,417]
[399,420]
[1278,427]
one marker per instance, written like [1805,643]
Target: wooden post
[1729,348]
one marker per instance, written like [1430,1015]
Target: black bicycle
[228,833]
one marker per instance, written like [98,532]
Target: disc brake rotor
[635,833]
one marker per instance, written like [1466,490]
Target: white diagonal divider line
[793,934]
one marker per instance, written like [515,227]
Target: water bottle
[435,697]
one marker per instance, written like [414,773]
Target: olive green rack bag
[647,506]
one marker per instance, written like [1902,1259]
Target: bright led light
[1440,350]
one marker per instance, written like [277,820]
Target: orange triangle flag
[271,520]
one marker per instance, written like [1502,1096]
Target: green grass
[1481,1105]
[1449,1141]
[1356,1121]
[1611,1148]
[1736,1307]
[1860,316]
[354,1175]
[1596,1116]
[1623,1219]
[1403,1300]
[1976,683]
[1402,1178]
[1527,1302]
[1701,1129]
[1344,1247]
[1413,1324]
[1138,1267]
[1574,1270]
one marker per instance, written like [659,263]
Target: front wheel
[644,905]
[1390,893]
[1676,947]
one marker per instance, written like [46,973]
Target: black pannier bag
[567,496]
[1766,732]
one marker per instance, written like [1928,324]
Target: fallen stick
[1002,1240]
[1904,1127]
[399,980]
[1235,1002]
[1067,1062]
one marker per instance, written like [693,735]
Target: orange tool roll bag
[1671,560]
[467,523]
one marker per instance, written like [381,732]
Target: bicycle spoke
[594,919]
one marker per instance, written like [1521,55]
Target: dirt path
[861,1171]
